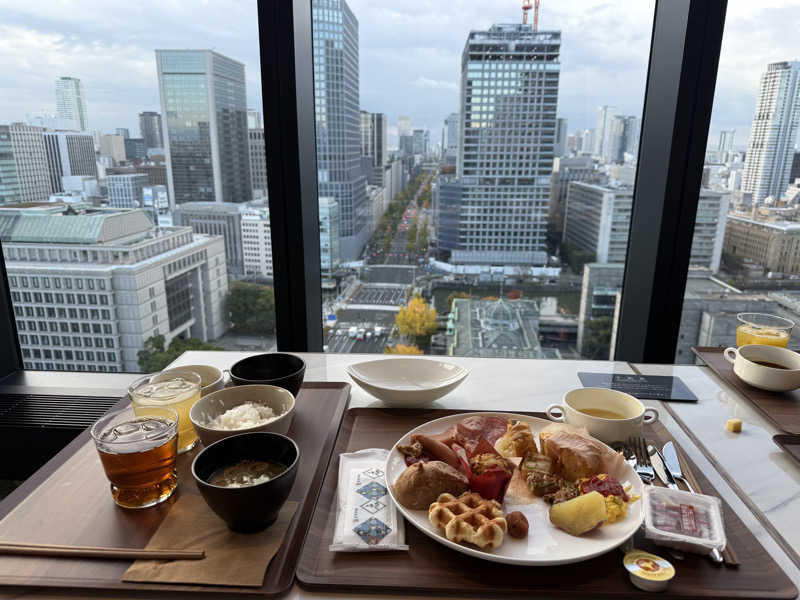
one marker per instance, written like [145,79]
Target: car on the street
[361,333]
[352,332]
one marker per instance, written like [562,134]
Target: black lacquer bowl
[275,368]
[253,507]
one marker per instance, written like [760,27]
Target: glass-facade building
[204,102]
[507,129]
[338,125]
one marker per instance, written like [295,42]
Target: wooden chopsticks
[97,552]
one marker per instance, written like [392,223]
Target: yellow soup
[602,413]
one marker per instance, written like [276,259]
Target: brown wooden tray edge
[77,584]
[312,582]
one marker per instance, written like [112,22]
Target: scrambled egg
[616,509]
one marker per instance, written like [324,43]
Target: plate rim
[459,376]
[475,552]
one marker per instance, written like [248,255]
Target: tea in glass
[759,328]
[179,394]
[138,454]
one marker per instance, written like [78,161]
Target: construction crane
[526,6]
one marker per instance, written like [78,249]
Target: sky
[409,57]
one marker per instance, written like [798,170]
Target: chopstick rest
[366,517]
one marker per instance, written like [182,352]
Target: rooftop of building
[231,208]
[784,226]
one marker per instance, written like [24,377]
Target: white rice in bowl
[243,416]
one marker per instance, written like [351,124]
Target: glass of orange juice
[760,328]
[179,394]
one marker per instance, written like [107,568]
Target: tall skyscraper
[496,211]
[126,191]
[338,123]
[770,149]
[560,148]
[624,138]
[421,140]
[451,143]
[258,160]
[726,138]
[602,138]
[123,131]
[69,153]
[203,99]
[71,102]
[373,137]
[254,119]
[403,125]
[150,129]
[24,175]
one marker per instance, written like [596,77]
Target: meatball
[517,524]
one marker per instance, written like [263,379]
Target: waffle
[469,518]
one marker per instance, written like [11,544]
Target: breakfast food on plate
[437,450]
[576,454]
[617,497]
[423,482]
[469,518]
[517,524]
[579,515]
[517,440]
[249,414]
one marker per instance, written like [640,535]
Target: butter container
[684,521]
[647,571]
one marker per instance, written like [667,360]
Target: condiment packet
[684,521]
[366,517]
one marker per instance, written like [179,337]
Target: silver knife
[660,468]
[674,467]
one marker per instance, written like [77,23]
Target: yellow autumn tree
[403,349]
[417,320]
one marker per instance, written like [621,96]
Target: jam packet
[366,517]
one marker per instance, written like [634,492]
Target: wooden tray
[790,444]
[430,568]
[781,408]
[68,502]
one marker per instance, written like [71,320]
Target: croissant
[575,454]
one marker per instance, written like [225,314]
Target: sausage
[437,450]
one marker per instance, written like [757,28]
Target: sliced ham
[471,430]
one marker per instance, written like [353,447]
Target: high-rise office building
[107,280]
[126,191]
[587,141]
[204,102]
[495,212]
[560,147]
[69,153]
[113,146]
[565,170]
[254,119]
[24,174]
[624,136]
[123,131]
[770,149]
[256,240]
[726,139]
[71,102]
[602,137]
[373,137]
[135,148]
[258,160]
[338,123]
[451,143]
[328,236]
[216,218]
[150,129]
[421,141]
[403,125]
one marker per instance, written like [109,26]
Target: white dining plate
[406,382]
[545,544]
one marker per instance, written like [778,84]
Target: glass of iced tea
[179,394]
[138,453]
[760,328]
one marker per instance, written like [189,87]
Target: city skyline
[120,79]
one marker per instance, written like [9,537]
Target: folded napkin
[238,559]
[366,517]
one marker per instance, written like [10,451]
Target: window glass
[133,176]
[748,214]
[476,175]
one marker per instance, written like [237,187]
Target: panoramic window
[133,184]
[748,214]
[476,172]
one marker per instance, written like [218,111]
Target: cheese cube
[734,425]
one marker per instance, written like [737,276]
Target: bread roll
[576,454]
[422,483]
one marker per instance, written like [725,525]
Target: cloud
[436,84]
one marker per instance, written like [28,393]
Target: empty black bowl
[253,507]
[276,368]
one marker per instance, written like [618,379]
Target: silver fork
[644,469]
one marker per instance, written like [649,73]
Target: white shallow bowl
[545,544]
[406,382]
[210,407]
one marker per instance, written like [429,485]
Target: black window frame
[681,79]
